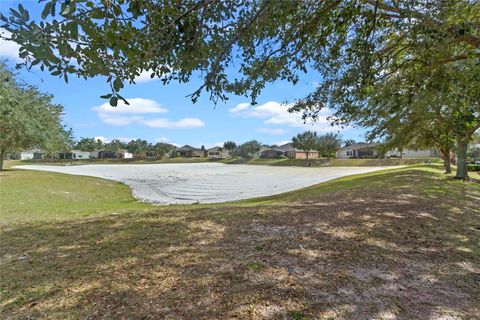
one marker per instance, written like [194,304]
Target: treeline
[326,144]
[29,118]
[137,146]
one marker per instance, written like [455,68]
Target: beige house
[217,153]
[295,153]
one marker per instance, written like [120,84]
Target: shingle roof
[359,146]
[187,148]
[289,148]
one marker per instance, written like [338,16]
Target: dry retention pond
[207,182]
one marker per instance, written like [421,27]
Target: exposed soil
[403,250]
[206,182]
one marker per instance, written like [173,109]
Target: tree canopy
[305,141]
[328,144]
[248,148]
[353,45]
[28,118]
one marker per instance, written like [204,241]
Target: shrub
[473,167]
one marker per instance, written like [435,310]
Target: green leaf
[117,84]
[113,101]
[106,96]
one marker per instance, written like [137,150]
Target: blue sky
[164,113]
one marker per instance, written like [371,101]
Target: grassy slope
[274,162]
[330,162]
[398,243]
[112,161]
[34,195]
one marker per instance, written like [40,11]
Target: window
[349,153]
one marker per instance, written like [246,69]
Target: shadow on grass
[389,245]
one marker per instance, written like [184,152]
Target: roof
[78,151]
[272,149]
[359,146]
[215,149]
[31,151]
[187,148]
[289,148]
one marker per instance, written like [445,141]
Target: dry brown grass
[400,245]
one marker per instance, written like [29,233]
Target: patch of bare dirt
[368,254]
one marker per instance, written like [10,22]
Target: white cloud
[240,107]
[137,105]
[137,112]
[8,49]
[275,113]
[165,123]
[166,140]
[118,120]
[216,144]
[146,76]
[273,132]
[162,139]
[101,138]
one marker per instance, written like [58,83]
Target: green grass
[34,196]
[113,161]
[330,162]
[404,239]
[272,162]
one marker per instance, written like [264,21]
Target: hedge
[473,167]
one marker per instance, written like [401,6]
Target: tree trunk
[446,161]
[462,170]
[307,154]
[2,153]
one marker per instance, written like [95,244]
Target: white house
[124,154]
[74,154]
[31,154]
[79,154]
[412,153]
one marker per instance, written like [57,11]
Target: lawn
[35,195]
[323,162]
[397,244]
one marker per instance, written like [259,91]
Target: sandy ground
[206,182]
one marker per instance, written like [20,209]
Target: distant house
[358,151]
[271,153]
[124,154]
[103,154]
[34,154]
[475,153]
[217,153]
[74,155]
[412,153]
[293,153]
[109,154]
[189,152]
[151,155]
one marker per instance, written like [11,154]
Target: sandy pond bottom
[206,182]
